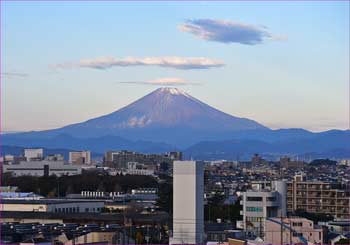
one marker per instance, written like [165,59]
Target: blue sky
[283,64]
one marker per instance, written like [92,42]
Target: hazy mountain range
[170,119]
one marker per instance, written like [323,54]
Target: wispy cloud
[166,81]
[184,63]
[227,31]
[13,75]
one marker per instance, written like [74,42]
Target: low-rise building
[261,203]
[42,168]
[135,168]
[80,157]
[293,230]
[52,205]
[34,154]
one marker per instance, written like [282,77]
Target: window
[295,234]
[86,209]
[254,199]
[297,224]
[271,199]
[254,209]
[254,219]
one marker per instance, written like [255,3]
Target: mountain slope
[333,143]
[166,115]
[168,108]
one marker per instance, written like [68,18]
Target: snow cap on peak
[170,90]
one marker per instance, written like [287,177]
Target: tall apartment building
[263,201]
[188,205]
[318,197]
[80,157]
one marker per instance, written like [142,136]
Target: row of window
[297,224]
[260,199]
[75,210]
[254,209]
[255,219]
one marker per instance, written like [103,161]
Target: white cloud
[228,31]
[171,62]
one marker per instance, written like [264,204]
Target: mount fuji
[171,119]
[164,108]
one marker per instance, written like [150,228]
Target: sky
[283,64]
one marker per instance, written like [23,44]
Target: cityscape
[206,127]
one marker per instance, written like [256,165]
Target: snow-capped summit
[170,90]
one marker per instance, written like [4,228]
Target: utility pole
[281,230]
[58,187]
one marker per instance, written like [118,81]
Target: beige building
[318,197]
[107,237]
[293,230]
[80,157]
[34,154]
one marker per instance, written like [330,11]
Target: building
[52,205]
[261,202]
[54,157]
[188,207]
[120,159]
[293,230]
[7,159]
[34,154]
[20,195]
[97,237]
[42,168]
[286,162]
[257,160]
[345,162]
[318,197]
[135,168]
[80,157]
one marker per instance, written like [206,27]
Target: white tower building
[188,207]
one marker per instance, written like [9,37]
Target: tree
[343,241]
[117,188]
[52,194]
[69,190]
[139,238]
[165,193]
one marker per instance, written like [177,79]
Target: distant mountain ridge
[170,119]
